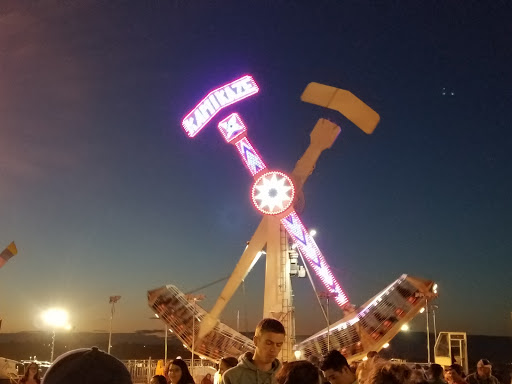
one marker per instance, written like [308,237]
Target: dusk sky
[105,194]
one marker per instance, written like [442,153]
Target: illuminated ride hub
[276,194]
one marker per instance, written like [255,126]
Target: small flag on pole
[7,253]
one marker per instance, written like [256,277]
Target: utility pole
[327,296]
[194,299]
[166,335]
[428,330]
[112,300]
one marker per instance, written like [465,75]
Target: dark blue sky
[104,194]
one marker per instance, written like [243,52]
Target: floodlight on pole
[112,300]
[55,318]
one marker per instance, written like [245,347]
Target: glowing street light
[422,310]
[385,345]
[55,318]
[405,327]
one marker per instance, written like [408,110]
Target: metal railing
[141,371]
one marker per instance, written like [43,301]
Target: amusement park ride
[281,234]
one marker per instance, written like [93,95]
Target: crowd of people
[92,366]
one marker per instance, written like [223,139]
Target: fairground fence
[142,371]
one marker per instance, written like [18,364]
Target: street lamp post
[165,343]
[426,308]
[53,345]
[112,300]
[194,299]
[434,307]
[165,356]
[327,296]
[428,331]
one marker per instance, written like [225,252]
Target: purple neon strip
[250,157]
[311,252]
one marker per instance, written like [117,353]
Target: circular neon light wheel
[273,193]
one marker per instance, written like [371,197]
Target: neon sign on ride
[216,100]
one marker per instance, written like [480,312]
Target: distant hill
[412,346]
[125,346]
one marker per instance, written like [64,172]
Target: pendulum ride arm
[343,101]
[322,137]
[234,131]
[244,265]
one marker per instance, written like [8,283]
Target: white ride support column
[277,301]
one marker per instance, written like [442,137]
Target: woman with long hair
[31,375]
[177,372]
